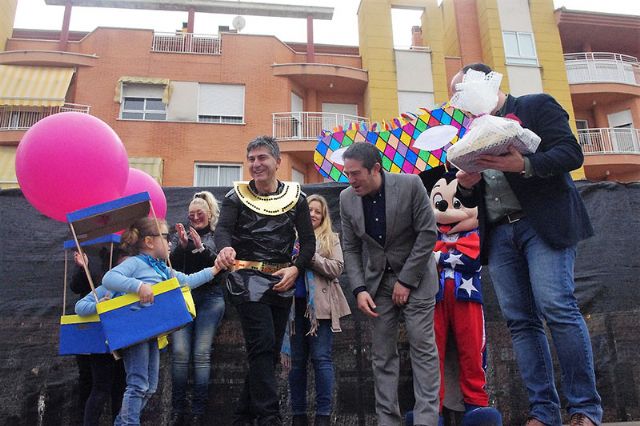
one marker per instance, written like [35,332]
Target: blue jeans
[194,342]
[318,348]
[142,364]
[534,283]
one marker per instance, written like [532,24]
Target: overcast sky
[341,30]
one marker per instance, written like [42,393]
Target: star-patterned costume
[458,257]
[459,311]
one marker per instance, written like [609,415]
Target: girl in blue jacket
[148,248]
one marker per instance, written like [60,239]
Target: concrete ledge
[47,58]
[224,7]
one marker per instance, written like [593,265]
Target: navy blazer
[549,199]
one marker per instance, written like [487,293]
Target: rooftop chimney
[416,37]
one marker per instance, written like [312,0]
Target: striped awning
[34,86]
[8,167]
[166,93]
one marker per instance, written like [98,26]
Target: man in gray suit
[389,218]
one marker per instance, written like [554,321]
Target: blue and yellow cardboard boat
[83,335]
[125,321]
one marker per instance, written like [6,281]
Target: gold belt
[266,267]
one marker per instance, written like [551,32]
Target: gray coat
[410,238]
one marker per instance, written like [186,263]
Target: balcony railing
[309,125]
[602,67]
[202,44]
[610,141]
[22,118]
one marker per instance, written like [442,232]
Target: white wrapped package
[490,135]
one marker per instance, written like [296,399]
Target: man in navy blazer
[531,218]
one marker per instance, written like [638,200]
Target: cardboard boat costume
[123,320]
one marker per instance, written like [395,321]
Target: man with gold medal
[258,226]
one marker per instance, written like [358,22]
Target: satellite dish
[238,23]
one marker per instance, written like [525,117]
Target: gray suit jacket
[410,238]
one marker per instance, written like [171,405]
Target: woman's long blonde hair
[207,202]
[324,233]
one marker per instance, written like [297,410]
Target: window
[297,176]
[143,109]
[582,124]
[621,120]
[519,48]
[221,119]
[143,102]
[221,103]
[413,101]
[217,174]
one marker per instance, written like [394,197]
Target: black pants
[263,327]
[108,382]
[84,378]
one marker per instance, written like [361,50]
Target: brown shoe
[534,422]
[580,419]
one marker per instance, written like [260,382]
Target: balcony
[602,67]
[609,141]
[305,126]
[22,118]
[199,44]
[611,154]
[322,76]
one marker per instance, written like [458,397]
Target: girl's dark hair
[131,239]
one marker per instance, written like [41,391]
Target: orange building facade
[601,54]
[189,110]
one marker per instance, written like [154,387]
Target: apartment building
[186,104]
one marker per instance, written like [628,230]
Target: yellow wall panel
[550,57]
[433,37]
[376,49]
[7,16]
[451,43]
[491,38]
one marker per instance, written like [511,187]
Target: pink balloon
[140,181]
[70,161]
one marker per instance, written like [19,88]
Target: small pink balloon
[140,181]
[70,161]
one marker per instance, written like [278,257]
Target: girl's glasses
[164,235]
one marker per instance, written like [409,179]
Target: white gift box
[490,135]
